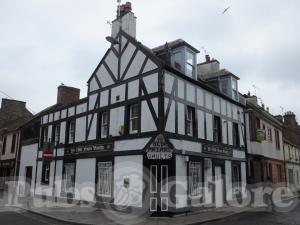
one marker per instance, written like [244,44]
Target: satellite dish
[111,40]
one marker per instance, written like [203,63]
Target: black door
[28,174]
[159,190]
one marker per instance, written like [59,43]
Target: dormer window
[184,59]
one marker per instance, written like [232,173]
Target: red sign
[48,155]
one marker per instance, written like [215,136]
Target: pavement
[94,216]
[79,215]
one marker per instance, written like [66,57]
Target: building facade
[12,114]
[291,133]
[264,145]
[151,133]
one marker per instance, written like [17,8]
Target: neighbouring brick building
[13,113]
[291,135]
[264,143]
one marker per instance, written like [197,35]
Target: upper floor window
[71,135]
[277,139]
[104,124]
[4,146]
[134,118]
[269,135]
[13,144]
[190,118]
[190,64]
[217,129]
[45,135]
[56,133]
[236,135]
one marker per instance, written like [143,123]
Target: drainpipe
[54,176]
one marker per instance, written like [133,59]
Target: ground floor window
[69,177]
[104,186]
[46,173]
[195,179]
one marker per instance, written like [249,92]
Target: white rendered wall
[85,179]
[181,182]
[131,168]
[80,129]
[28,158]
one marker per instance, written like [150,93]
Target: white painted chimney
[126,20]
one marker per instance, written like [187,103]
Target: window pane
[190,58]
[189,70]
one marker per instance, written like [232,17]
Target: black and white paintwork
[131,74]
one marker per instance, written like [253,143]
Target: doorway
[28,176]
[219,188]
[159,190]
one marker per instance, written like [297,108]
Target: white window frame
[104,124]
[133,118]
[57,134]
[71,138]
[189,122]
[189,64]
[105,174]
[45,135]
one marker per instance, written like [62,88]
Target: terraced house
[150,115]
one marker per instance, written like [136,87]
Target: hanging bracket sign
[159,149]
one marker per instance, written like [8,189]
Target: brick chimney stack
[124,9]
[290,119]
[66,95]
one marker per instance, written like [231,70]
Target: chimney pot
[207,58]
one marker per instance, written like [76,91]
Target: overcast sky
[44,43]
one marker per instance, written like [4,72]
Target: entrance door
[159,190]
[28,175]
[219,191]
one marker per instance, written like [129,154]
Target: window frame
[107,167]
[190,121]
[277,140]
[235,135]
[4,145]
[217,130]
[71,135]
[136,118]
[186,63]
[102,125]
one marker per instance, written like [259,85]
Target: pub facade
[150,135]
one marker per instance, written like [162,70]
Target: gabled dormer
[180,55]
[221,79]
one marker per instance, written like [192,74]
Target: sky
[44,43]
